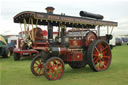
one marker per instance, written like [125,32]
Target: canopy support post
[98,29]
[107,30]
[25,28]
[111,30]
[33,37]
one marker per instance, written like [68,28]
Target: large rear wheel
[37,66]
[54,68]
[99,55]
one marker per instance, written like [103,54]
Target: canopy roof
[55,19]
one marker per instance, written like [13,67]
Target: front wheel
[99,55]
[54,68]
[16,56]
[37,66]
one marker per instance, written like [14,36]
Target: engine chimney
[50,9]
[50,26]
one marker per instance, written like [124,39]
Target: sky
[112,10]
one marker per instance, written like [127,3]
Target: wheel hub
[100,55]
[55,68]
[40,66]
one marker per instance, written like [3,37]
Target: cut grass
[18,72]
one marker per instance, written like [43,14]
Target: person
[11,46]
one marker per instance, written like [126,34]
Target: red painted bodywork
[41,46]
[73,55]
[25,53]
[75,43]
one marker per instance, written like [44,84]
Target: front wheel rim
[38,66]
[54,69]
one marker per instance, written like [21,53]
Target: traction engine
[77,47]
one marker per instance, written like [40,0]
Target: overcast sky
[112,10]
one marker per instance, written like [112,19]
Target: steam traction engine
[77,47]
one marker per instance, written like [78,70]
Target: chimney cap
[50,8]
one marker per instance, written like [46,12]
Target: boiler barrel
[57,51]
[91,15]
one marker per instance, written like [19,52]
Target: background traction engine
[27,47]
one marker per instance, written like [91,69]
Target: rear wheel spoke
[105,48]
[97,49]
[104,66]
[106,56]
[96,60]
[95,54]
[98,66]
[95,57]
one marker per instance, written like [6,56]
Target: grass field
[18,72]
